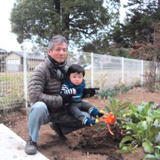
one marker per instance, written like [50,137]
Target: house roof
[34,57]
[2,50]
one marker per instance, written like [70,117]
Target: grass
[11,89]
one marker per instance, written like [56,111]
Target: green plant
[107,92]
[112,92]
[138,83]
[125,89]
[140,124]
[141,129]
[156,86]
[156,154]
[118,109]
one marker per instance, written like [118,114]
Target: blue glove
[95,113]
[89,122]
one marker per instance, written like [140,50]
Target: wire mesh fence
[11,80]
[103,71]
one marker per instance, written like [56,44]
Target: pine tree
[139,23]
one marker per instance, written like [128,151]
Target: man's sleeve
[36,90]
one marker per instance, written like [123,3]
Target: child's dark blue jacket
[67,88]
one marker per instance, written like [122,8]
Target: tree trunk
[158,4]
[57,6]
[66,23]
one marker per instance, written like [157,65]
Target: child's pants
[77,108]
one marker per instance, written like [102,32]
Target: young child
[73,85]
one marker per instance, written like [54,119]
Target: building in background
[13,61]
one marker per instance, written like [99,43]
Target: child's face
[76,78]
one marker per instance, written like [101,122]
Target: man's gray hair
[56,39]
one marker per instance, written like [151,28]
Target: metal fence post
[122,69]
[157,76]
[25,74]
[92,71]
[142,72]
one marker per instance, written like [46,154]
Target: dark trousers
[39,115]
[76,109]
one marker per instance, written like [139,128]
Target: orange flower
[109,129]
[109,119]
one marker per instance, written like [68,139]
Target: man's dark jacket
[45,86]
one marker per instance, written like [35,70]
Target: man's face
[59,52]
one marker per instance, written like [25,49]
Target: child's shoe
[95,113]
[89,122]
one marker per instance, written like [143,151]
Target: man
[48,103]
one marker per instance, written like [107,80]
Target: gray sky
[7,39]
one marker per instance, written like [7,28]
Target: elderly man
[48,103]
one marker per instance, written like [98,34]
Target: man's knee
[39,108]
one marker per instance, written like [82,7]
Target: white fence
[103,71]
[106,71]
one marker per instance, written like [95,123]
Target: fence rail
[102,71]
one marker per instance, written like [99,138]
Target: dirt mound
[101,142]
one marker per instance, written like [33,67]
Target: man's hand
[88,92]
[66,98]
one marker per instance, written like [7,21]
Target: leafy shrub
[138,83]
[118,109]
[140,125]
[156,86]
[107,92]
[125,89]
[112,92]
[150,77]
[141,129]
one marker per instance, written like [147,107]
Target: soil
[86,143]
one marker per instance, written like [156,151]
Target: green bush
[140,125]
[156,86]
[107,92]
[125,89]
[141,129]
[112,92]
